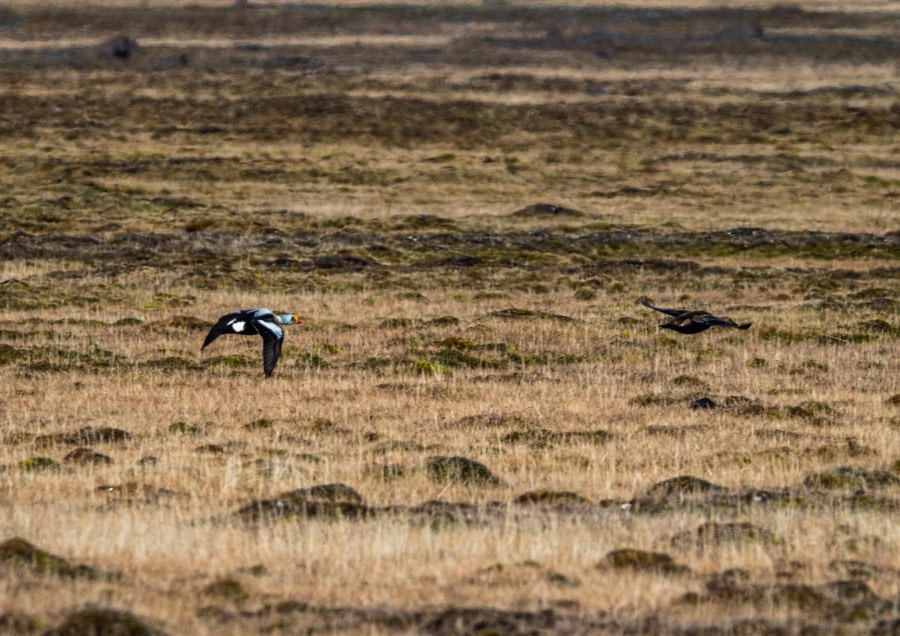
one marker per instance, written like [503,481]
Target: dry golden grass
[168,550]
[810,5]
[365,175]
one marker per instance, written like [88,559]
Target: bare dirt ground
[478,428]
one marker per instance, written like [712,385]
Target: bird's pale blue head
[289,319]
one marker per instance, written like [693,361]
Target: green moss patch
[459,469]
[847,478]
[19,553]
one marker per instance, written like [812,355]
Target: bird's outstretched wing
[716,321]
[670,312]
[713,321]
[219,328]
[273,337]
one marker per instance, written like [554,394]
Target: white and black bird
[688,322]
[248,322]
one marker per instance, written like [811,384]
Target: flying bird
[247,322]
[686,321]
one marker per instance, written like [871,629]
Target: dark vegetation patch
[541,437]
[713,534]
[37,464]
[305,617]
[665,430]
[86,436]
[339,502]
[682,486]
[844,601]
[642,561]
[19,553]
[228,589]
[183,323]
[103,620]
[488,420]
[82,456]
[811,412]
[206,259]
[550,497]
[847,478]
[518,313]
[442,469]
[385,472]
[223,448]
[55,359]
[324,500]
[14,622]
[184,427]
[522,573]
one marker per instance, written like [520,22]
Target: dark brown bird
[685,321]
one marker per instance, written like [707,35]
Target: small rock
[546,210]
[121,47]
[703,403]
